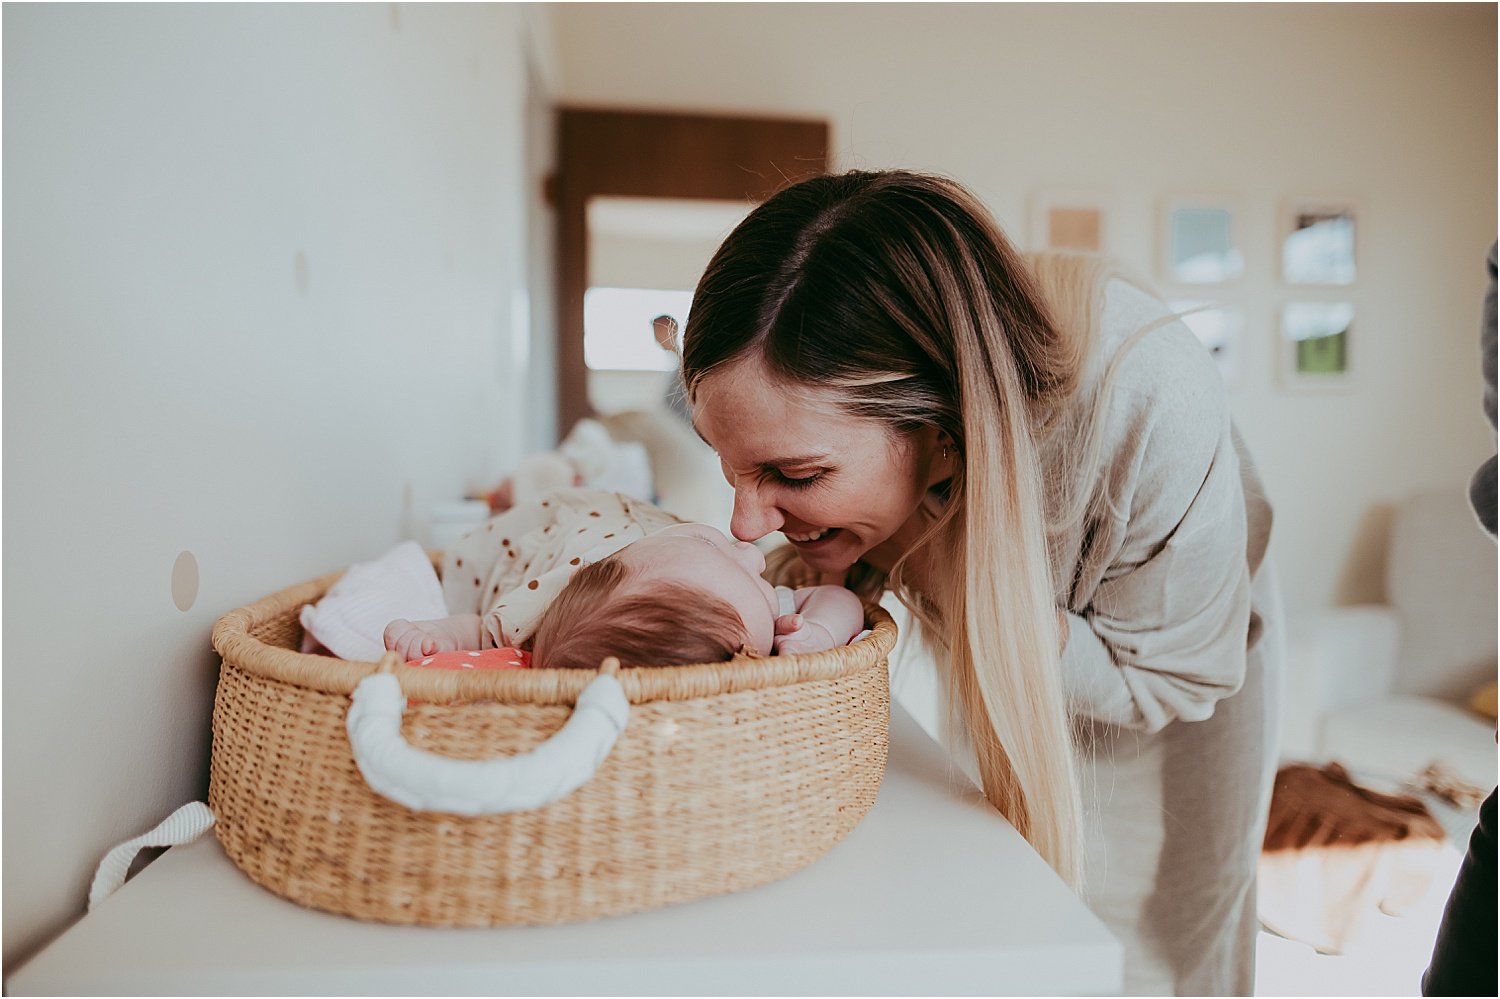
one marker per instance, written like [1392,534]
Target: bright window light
[617,332]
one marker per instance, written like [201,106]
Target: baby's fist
[409,640]
[795,634]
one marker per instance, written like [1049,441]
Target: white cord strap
[182,826]
[427,782]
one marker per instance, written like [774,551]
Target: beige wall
[1390,105]
[264,288]
[620,261]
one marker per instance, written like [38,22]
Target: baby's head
[686,594]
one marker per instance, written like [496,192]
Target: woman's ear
[943,459]
[947,447]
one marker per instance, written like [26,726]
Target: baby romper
[511,568]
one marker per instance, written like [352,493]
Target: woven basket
[727,776]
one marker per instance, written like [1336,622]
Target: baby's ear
[786,624]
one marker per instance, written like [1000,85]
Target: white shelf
[933,893]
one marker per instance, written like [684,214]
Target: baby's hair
[595,616]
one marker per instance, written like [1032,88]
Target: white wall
[262,271]
[540,350]
[1391,105]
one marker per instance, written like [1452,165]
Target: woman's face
[836,485]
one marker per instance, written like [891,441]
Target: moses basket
[726,776]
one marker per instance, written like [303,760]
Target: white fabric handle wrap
[182,826]
[427,782]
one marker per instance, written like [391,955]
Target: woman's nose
[753,518]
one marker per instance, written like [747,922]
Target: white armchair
[1384,688]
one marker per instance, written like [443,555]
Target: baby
[581,574]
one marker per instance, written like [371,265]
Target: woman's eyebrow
[806,459]
[796,461]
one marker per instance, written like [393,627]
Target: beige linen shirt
[1158,587]
[1171,666]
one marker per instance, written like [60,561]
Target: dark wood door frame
[656,155]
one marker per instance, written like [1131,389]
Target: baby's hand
[415,639]
[794,634]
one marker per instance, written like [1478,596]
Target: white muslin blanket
[350,620]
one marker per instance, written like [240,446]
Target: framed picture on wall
[1073,220]
[1318,242]
[1220,328]
[1200,241]
[1315,345]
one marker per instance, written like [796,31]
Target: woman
[1039,462]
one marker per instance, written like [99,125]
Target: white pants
[1176,824]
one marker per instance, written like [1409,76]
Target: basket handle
[428,782]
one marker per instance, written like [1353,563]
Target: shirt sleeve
[1163,635]
[512,619]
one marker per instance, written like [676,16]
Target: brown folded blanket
[1322,807]
[1335,852]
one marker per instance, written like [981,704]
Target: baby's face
[702,557]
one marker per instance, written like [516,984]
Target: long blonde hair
[897,293]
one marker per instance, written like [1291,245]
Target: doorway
[642,200]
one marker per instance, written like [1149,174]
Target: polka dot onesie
[511,568]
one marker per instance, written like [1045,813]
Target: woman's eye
[802,483]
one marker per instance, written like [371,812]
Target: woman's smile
[810,473]
[815,541]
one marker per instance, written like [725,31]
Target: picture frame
[1316,347]
[1318,242]
[1220,327]
[1200,240]
[1075,220]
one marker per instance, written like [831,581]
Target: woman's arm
[1164,633]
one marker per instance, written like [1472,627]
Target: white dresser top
[933,893]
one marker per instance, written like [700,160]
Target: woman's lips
[829,536]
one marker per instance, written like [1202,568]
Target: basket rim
[233,640]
